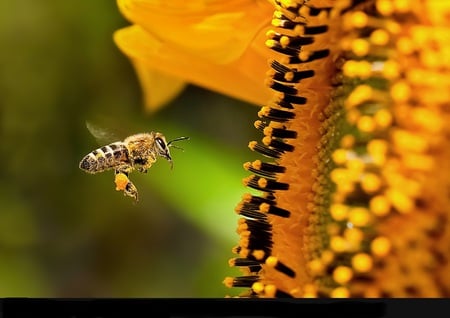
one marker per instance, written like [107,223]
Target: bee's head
[162,147]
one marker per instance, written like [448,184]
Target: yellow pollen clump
[391,69]
[418,162]
[362,263]
[338,244]
[347,141]
[380,205]
[354,236]
[380,246]
[316,267]
[359,19]
[366,124]
[405,45]
[359,216]
[339,212]
[405,140]
[401,91]
[377,148]
[379,37]
[258,254]
[370,182]
[360,94]
[383,118]
[339,156]
[402,5]
[385,7]
[427,119]
[284,41]
[360,47]
[342,274]
[258,287]
[400,200]
[271,261]
[327,257]
[121,181]
[340,292]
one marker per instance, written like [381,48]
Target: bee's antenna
[169,144]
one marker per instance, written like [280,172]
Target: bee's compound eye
[160,143]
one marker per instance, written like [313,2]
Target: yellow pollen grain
[405,45]
[262,182]
[360,47]
[347,141]
[370,182]
[316,267]
[402,5]
[121,181]
[284,41]
[418,162]
[380,246]
[379,37]
[264,207]
[340,292]
[258,287]
[339,156]
[383,118]
[366,124]
[338,244]
[400,91]
[339,212]
[427,119]
[391,69]
[327,257]
[385,7]
[405,140]
[353,235]
[380,205]
[359,19]
[359,216]
[355,168]
[304,55]
[271,43]
[342,274]
[258,254]
[272,261]
[360,94]
[362,263]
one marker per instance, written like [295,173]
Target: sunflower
[350,197]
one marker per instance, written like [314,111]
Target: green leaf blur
[64,233]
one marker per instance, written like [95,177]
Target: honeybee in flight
[137,151]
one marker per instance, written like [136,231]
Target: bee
[139,151]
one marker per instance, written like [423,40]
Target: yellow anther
[379,37]
[370,182]
[340,292]
[405,45]
[316,267]
[342,274]
[309,291]
[402,5]
[347,141]
[339,212]
[354,236]
[360,47]
[366,124]
[385,7]
[362,263]
[380,246]
[383,118]
[339,156]
[359,216]
[401,91]
[360,94]
[391,69]
[258,287]
[379,205]
[418,162]
[359,19]
[405,140]
[338,244]
[327,257]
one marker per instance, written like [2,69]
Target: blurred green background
[64,233]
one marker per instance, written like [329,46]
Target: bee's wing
[103,135]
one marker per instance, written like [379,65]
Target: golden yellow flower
[353,196]
[215,44]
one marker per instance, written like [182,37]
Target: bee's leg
[124,184]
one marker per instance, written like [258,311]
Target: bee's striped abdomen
[105,158]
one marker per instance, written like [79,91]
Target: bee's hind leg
[124,184]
